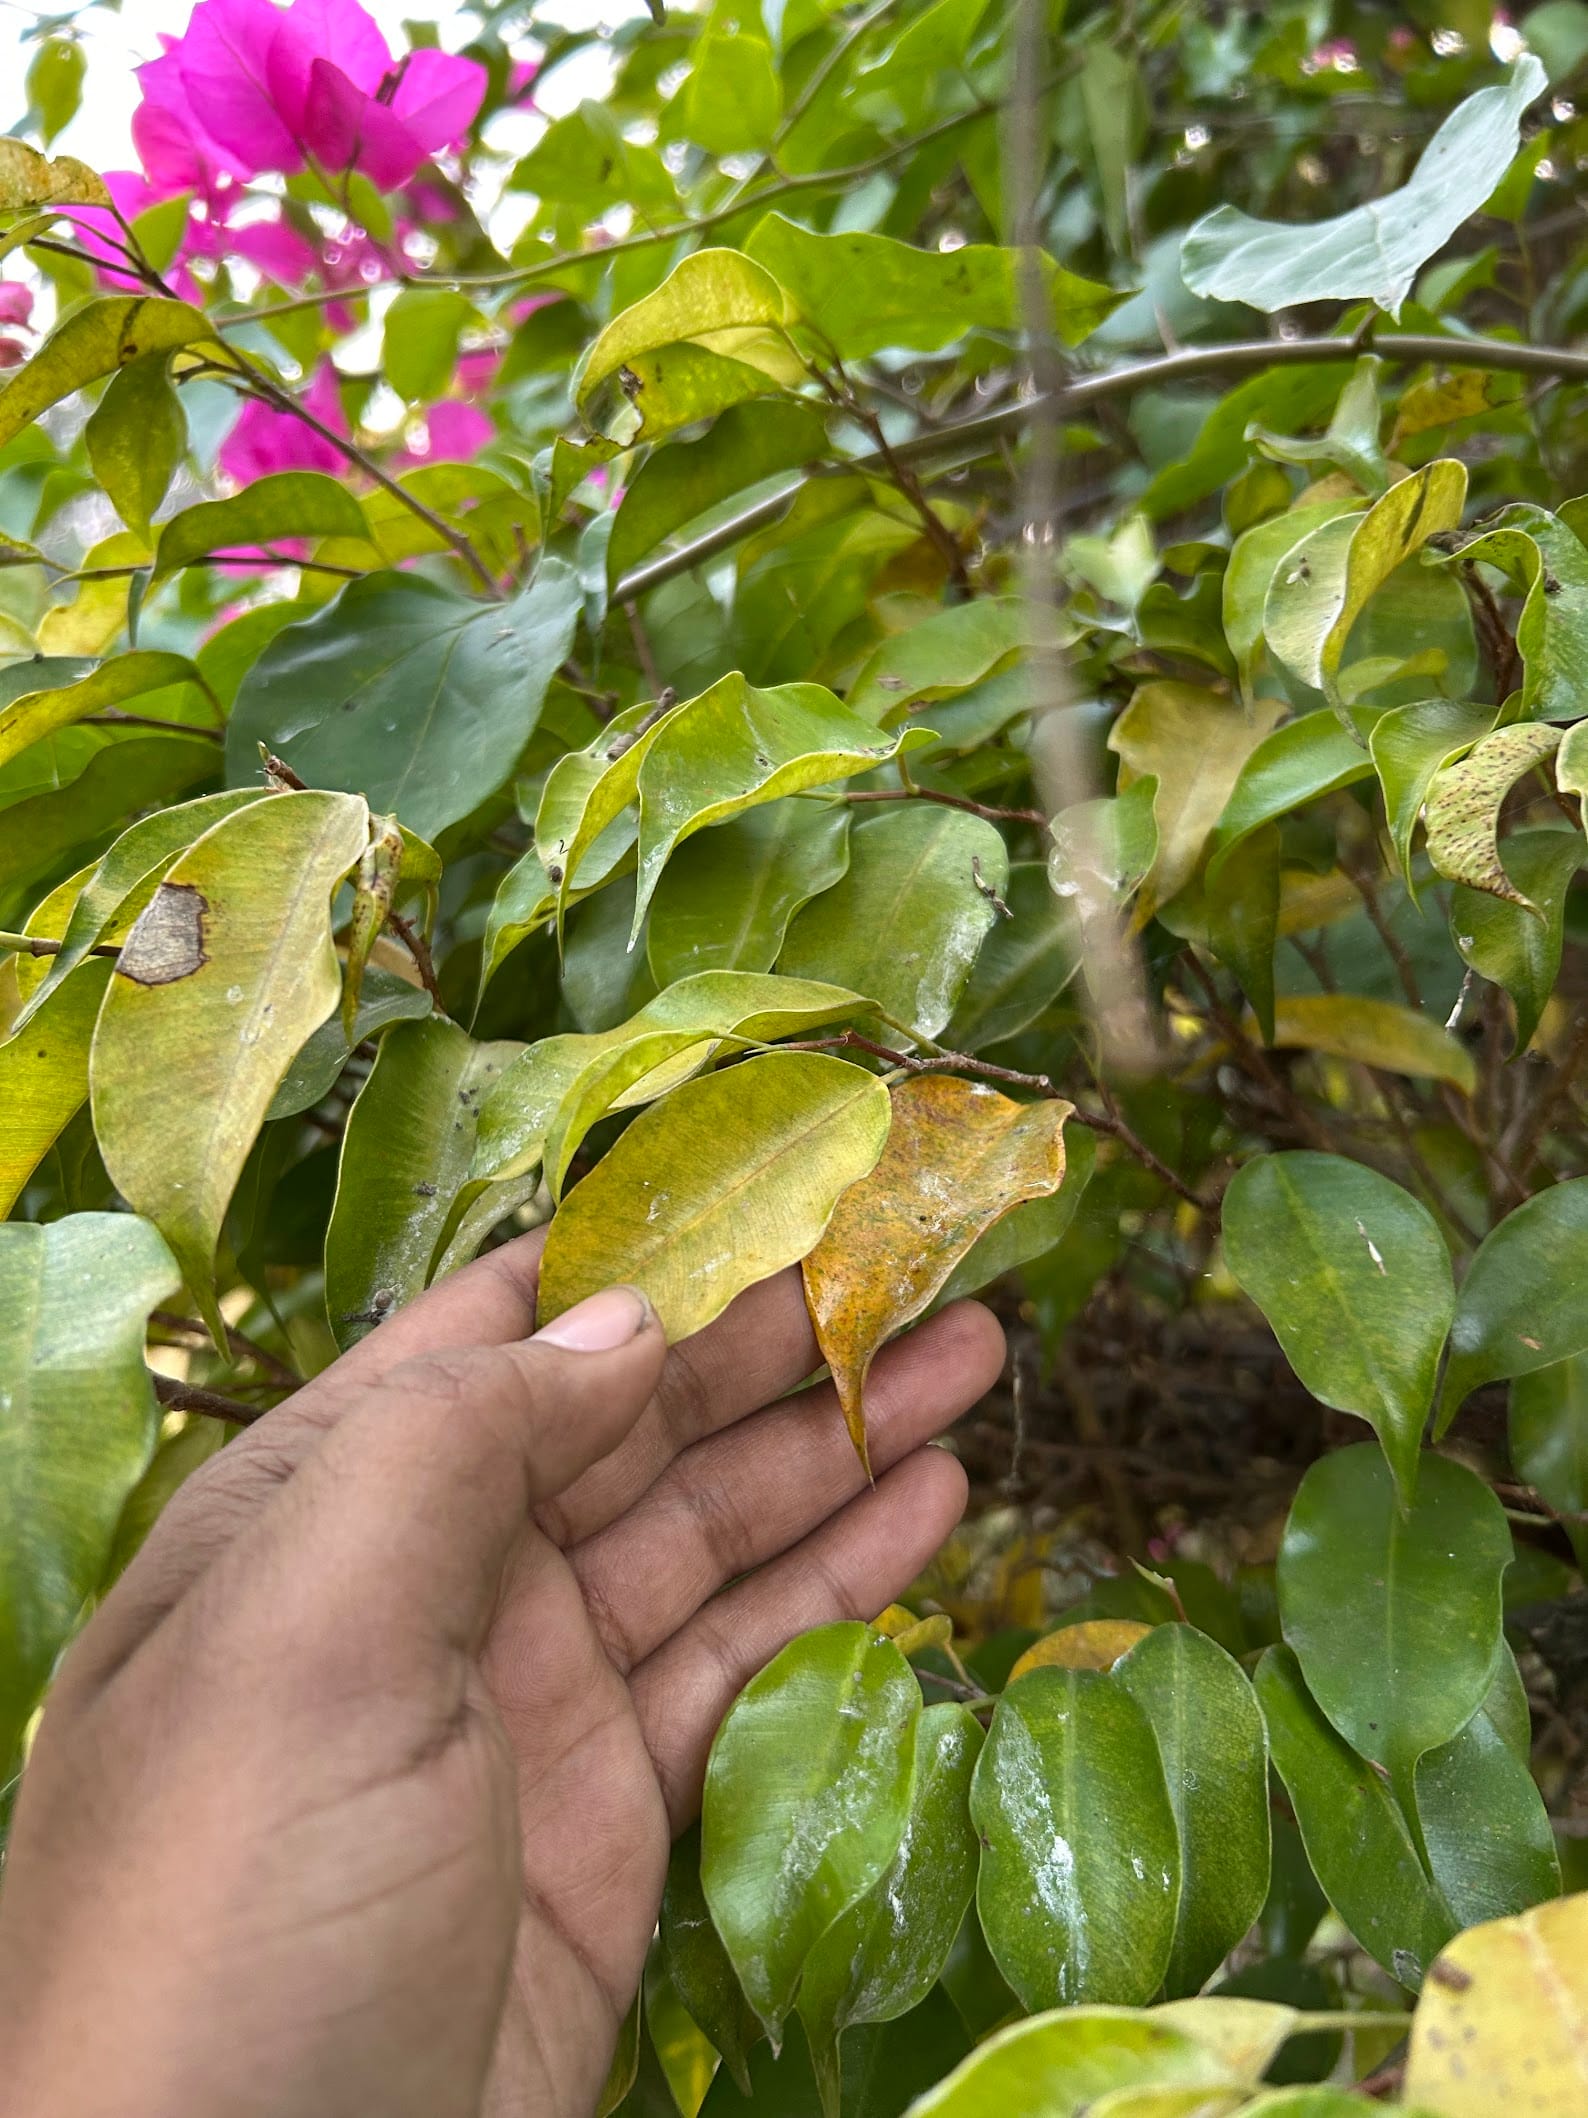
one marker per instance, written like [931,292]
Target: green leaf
[861,292]
[419,340]
[1549,1439]
[28,178]
[227,971]
[1351,443]
[882,1957]
[1510,945]
[55,83]
[1539,555]
[405,1152]
[44,1077]
[732,100]
[698,1964]
[1113,103]
[807,1798]
[946,653]
[136,436]
[1323,585]
[1240,899]
[94,341]
[712,334]
[734,747]
[1257,557]
[581,830]
[1411,745]
[406,692]
[1286,398]
[1524,1302]
[384,998]
[1214,1751]
[1490,1843]
[1025,963]
[1194,742]
[1393,1610]
[906,922]
[77,1427]
[584,160]
[677,484]
[721,1184]
[1375,1033]
[1352,1273]
[1464,802]
[1377,249]
[115,779]
[1063,2064]
[32,715]
[726,897]
[283,505]
[1298,762]
[886,2066]
[1356,1838]
[1080,1870]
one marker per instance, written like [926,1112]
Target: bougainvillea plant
[945,643]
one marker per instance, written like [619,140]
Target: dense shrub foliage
[946,643]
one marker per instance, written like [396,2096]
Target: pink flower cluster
[16,307]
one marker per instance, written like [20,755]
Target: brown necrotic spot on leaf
[167,942]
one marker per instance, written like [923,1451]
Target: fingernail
[600,1323]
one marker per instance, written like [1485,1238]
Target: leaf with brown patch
[958,1157]
[1463,809]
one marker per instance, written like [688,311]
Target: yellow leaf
[1244,2033]
[1096,1643]
[1502,2025]
[910,1634]
[44,1076]
[28,178]
[1193,741]
[958,1157]
[1376,1032]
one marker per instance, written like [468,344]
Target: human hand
[356,1795]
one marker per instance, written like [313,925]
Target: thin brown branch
[274,1370]
[113,717]
[188,1397]
[915,793]
[419,949]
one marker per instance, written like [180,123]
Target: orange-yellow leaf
[958,1157]
[1096,1643]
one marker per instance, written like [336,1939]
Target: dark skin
[355,1798]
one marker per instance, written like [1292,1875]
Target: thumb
[403,1521]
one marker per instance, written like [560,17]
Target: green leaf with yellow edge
[405,1153]
[734,747]
[712,334]
[1194,741]
[1503,2020]
[1539,555]
[727,895]
[94,341]
[907,920]
[1393,1608]
[1571,762]
[860,293]
[1524,1302]
[698,1964]
[583,804]
[1506,943]
[281,505]
[724,1182]
[1080,1871]
[28,178]
[1378,1033]
[1376,249]
[1095,1643]
[1352,1273]
[947,652]
[229,968]
[1166,2102]
[1462,810]
[1411,745]
[36,714]
[77,1428]
[136,436]
[1322,587]
[882,1957]
[1356,1838]
[1061,2064]
[1211,1740]
[807,1800]
[1245,2033]
[123,880]
[44,1076]
[958,1157]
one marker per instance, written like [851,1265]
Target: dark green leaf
[1524,1302]
[1509,945]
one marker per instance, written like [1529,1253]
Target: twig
[917,793]
[113,717]
[419,949]
[275,1370]
[642,649]
[188,1397]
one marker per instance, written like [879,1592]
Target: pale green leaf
[94,341]
[35,714]
[44,1076]
[284,505]
[136,436]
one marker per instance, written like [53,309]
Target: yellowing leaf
[1503,2020]
[1244,2033]
[96,340]
[958,1156]
[1096,1643]
[1375,1032]
[1193,741]
[722,1183]
[227,971]
[44,1076]
[28,178]
[1463,806]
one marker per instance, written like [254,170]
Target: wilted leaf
[227,971]
[721,1184]
[1352,1273]
[28,178]
[284,505]
[44,1077]
[958,1156]
[882,1957]
[1524,1302]
[1378,1033]
[1463,806]
[1378,248]
[96,340]
[807,1799]
[1080,1871]
[77,1427]
[1095,1643]
[1028,1232]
